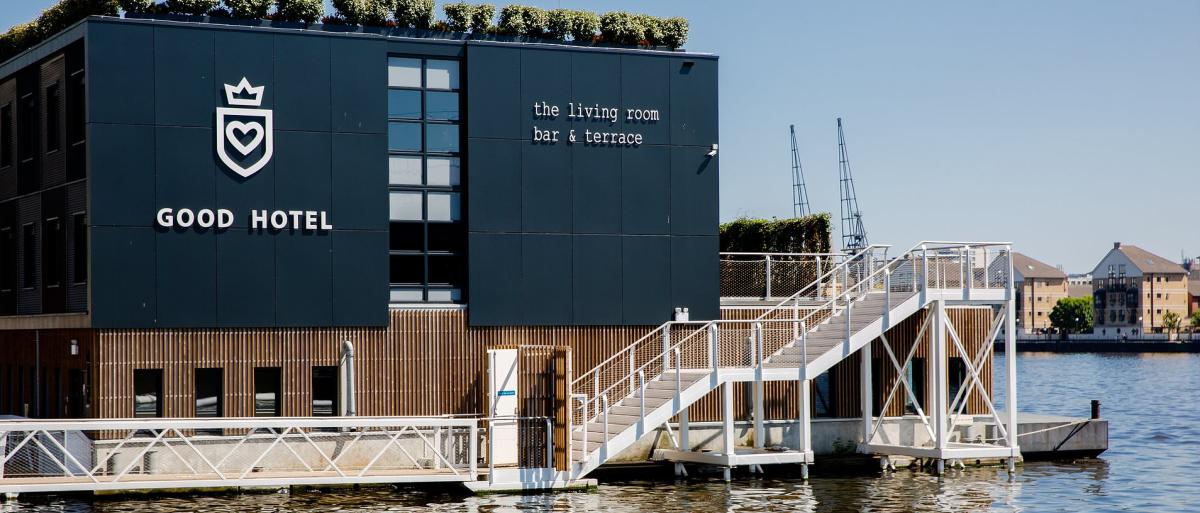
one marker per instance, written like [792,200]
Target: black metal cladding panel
[245,278]
[123,288]
[596,297]
[695,281]
[496,280]
[153,90]
[358,287]
[646,278]
[641,196]
[546,275]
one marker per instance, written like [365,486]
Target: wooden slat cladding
[426,362]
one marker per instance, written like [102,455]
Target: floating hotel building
[210,222]
[199,210]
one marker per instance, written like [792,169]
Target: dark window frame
[142,377]
[79,234]
[28,252]
[427,285]
[52,107]
[7,135]
[54,236]
[260,375]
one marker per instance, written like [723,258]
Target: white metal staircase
[641,388]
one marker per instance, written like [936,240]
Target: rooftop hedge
[807,234]
[583,27]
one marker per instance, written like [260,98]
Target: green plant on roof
[250,9]
[414,13]
[308,11]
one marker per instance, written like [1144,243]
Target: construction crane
[799,190]
[854,235]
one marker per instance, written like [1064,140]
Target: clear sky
[1060,126]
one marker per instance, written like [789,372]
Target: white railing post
[804,350]
[796,318]
[759,433]
[768,268]
[666,343]
[549,443]
[642,390]
[629,356]
[604,400]
[968,273]
[820,273]
[887,299]
[924,275]
[473,451]
[712,347]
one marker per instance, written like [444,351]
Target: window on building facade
[147,393]
[210,396]
[51,251]
[325,391]
[28,260]
[8,258]
[26,128]
[79,239]
[76,128]
[53,124]
[6,135]
[427,241]
[268,391]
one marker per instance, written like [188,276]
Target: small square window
[404,170]
[404,72]
[404,206]
[441,138]
[443,206]
[448,237]
[443,171]
[407,269]
[405,136]
[445,269]
[403,295]
[406,236]
[404,104]
[441,106]
[441,75]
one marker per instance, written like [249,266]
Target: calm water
[1151,465]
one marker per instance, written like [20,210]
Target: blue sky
[1060,126]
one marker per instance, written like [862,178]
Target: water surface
[1149,399]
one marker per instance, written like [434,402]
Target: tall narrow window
[210,401]
[428,239]
[6,135]
[147,393]
[26,128]
[76,131]
[28,256]
[79,239]
[52,252]
[325,392]
[53,123]
[958,376]
[8,258]
[822,394]
[268,389]
[915,371]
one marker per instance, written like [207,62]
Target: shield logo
[244,132]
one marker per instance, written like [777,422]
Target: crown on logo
[254,94]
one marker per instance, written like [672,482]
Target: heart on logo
[236,130]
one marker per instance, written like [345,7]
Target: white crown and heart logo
[243,128]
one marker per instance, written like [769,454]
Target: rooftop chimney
[1116,245]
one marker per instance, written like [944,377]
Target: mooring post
[866,398]
[804,424]
[1010,364]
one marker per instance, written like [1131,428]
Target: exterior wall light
[712,152]
[74,347]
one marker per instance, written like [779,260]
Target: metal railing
[117,454]
[698,345]
[765,276]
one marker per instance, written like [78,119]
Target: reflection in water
[1154,432]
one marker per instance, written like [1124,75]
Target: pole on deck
[1010,365]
